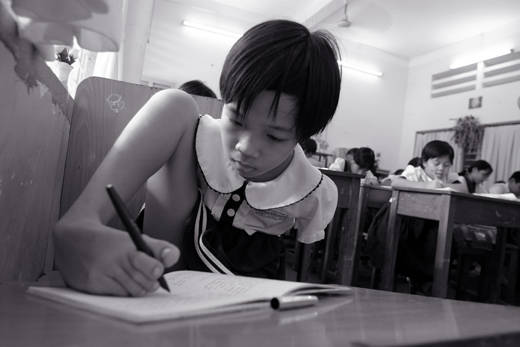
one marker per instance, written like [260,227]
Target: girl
[433,171]
[473,177]
[360,161]
[418,237]
[280,83]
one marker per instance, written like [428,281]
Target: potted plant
[65,56]
[468,133]
[63,65]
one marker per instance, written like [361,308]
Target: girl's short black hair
[285,57]
[481,165]
[197,87]
[437,148]
[352,151]
[515,176]
[309,146]
[365,158]
[415,161]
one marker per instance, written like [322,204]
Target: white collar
[297,181]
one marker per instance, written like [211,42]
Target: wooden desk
[448,208]
[367,318]
[343,225]
[326,156]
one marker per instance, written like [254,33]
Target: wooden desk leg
[497,264]
[391,244]
[443,250]
[304,261]
[348,246]
[360,227]
[329,239]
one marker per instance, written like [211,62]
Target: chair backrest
[34,128]
[102,109]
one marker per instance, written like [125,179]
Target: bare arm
[96,258]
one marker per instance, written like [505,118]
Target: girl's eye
[274,138]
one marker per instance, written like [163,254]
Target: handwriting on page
[209,285]
[224,285]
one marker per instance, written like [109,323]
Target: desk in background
[367,318]
[448,208]
[371,197]
[325,156]
[343,227]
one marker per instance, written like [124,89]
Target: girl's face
[259,145]
[437,167]
[479,176]
[351,164]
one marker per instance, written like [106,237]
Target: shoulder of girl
[174,97]
[329,188]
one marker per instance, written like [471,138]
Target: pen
[131,227]
[295,301]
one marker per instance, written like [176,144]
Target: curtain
[421,139]
[501,148]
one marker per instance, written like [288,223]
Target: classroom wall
[383,113]
[421,112]
[176,54]
[370,108]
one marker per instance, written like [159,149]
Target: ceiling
[405,28]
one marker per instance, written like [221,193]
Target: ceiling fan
[363,15]
[345,21]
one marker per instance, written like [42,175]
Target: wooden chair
[34,129]
[102,109]
[342,233]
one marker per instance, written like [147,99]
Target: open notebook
[192,294]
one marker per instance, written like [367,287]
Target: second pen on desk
[131,227]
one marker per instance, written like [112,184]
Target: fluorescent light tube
[203,27]
[360,69]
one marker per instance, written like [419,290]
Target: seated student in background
[309,147]
[341,164]
[434,170]
[512,186]
[415,161]
[242,180]
[363,162]
[196,87]
[475,175]
[360,161]
[419,237]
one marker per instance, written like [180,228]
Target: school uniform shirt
[338,164]
[500,188]
[300,197]
[417,174]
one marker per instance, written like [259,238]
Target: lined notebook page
[192,293]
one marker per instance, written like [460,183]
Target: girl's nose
[247,146]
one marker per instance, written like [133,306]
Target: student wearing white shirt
[475,175]
[360,161]
[434,171]
[512,186]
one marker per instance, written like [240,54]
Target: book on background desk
[192,294]
[506,196]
